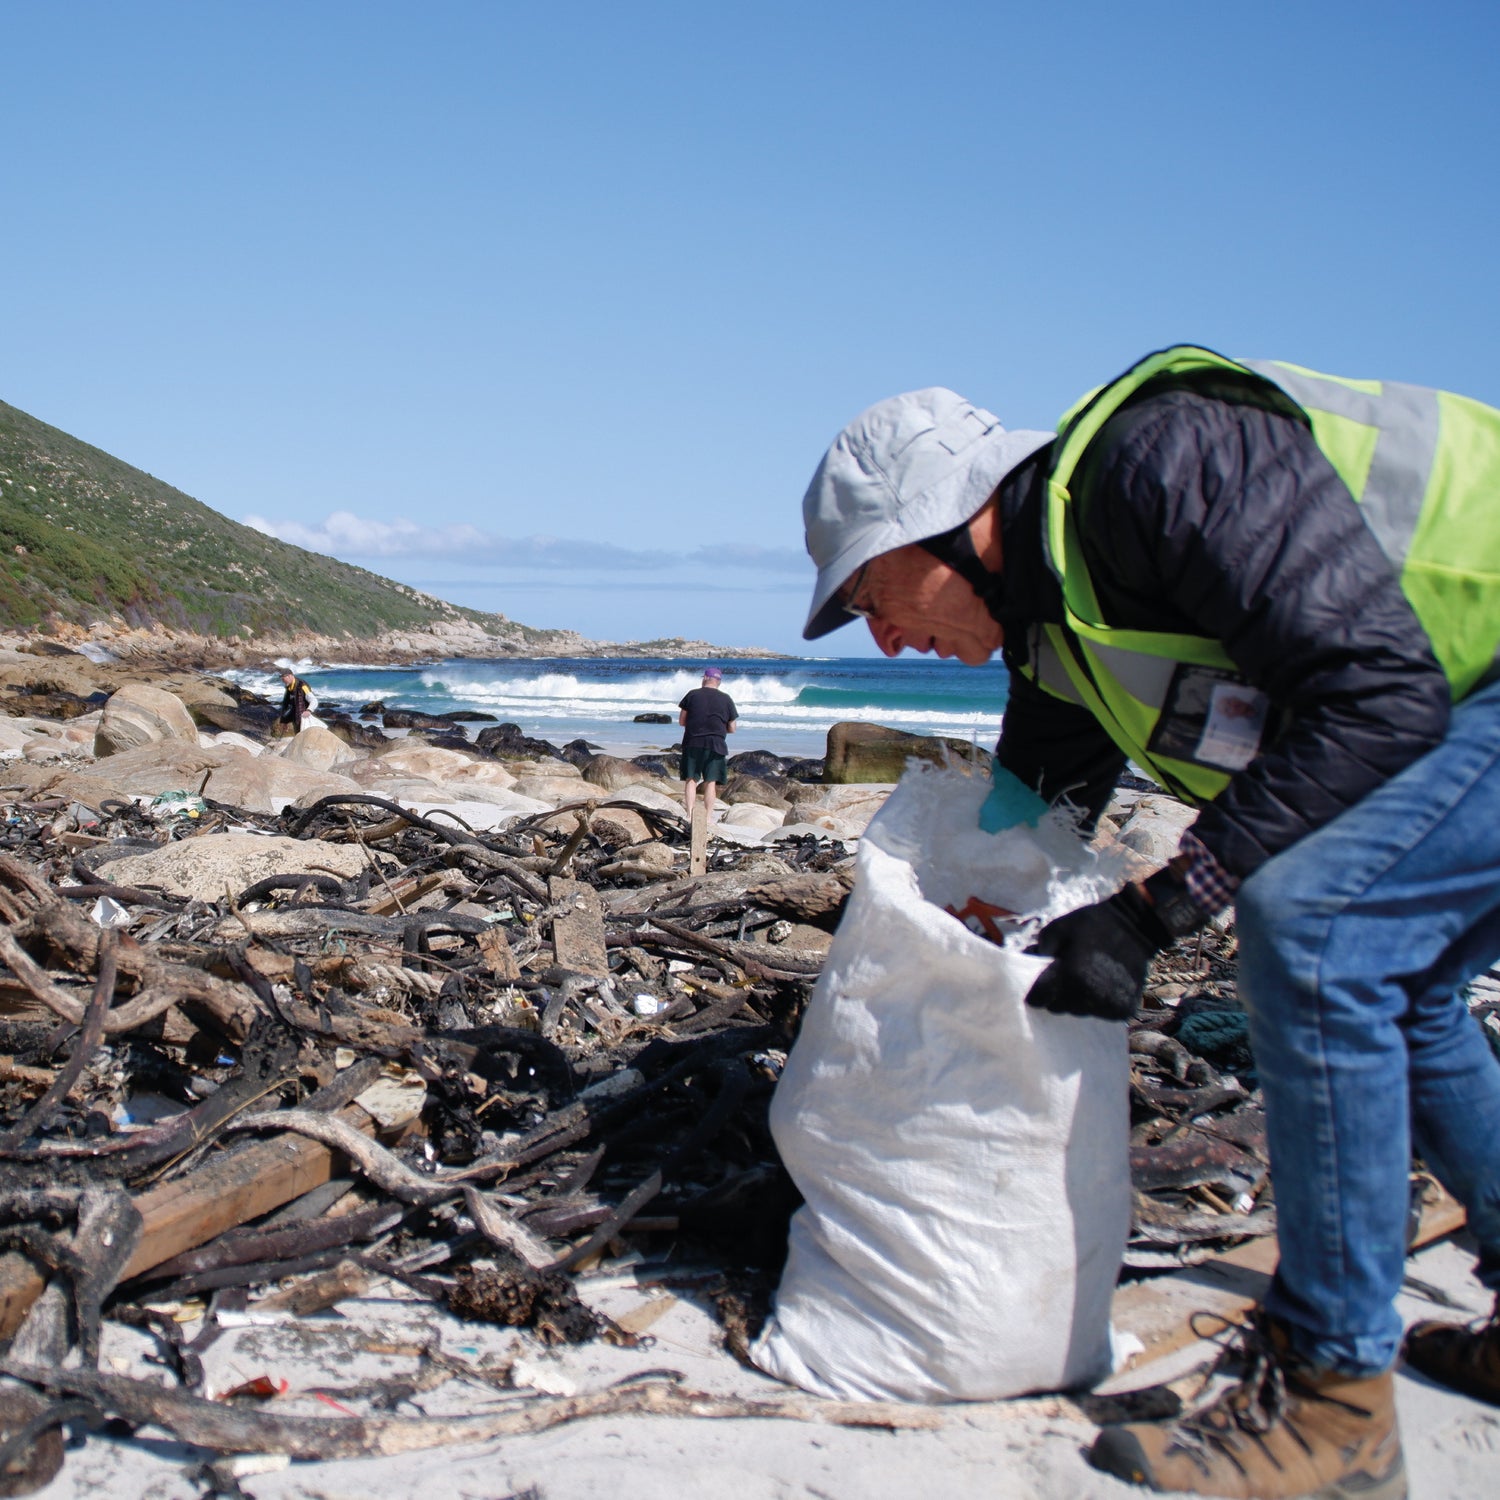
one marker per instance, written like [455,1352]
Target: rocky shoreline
[164,649]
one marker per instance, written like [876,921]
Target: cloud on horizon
[350,537]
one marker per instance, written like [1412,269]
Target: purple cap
[713,672]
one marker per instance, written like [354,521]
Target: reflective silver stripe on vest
[1050,671]
[1406,421]
[1145,678]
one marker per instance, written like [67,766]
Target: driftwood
[232,1429]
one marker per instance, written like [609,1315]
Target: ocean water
[785,705]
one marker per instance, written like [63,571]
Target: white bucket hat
[910,467]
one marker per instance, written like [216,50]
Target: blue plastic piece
[1009,803]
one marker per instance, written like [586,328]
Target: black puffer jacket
[1212,512]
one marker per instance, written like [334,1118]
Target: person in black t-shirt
[707,715]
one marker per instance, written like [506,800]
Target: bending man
[1279,594]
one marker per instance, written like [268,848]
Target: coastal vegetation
[86,537]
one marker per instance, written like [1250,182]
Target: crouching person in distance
[1279,594]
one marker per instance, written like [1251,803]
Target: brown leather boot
[1465,1359]
[1284,1430]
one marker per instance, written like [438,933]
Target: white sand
[1003,1451]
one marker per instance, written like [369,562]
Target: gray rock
[205,868]
[871,752]
[138,714]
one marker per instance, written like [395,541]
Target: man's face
[914,600]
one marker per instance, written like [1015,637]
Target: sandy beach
[1028,1449]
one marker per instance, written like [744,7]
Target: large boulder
[416,758]
[208,867]
[845,809]
[482,773]
[196,692]
[353,733]
[138,714]
[412,789]
[580,752]
[755,763]
[506,742]
[761,789]
[610,772]
[408,718]
[660,796]
[254,720]
[554,790]
[267,783]
[803,770]
[317,748]
[166,766]
[871,752]
[666,763]
[751,815]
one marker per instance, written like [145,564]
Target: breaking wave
[783,705]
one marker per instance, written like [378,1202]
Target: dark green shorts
[699,763]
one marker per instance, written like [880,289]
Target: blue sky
[553,309]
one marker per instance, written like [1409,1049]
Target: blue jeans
[1353,945]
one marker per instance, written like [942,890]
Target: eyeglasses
[849,594]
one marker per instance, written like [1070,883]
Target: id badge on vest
[1211,717]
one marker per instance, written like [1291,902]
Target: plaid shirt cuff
[1209,884]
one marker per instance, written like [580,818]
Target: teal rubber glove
[1009,803]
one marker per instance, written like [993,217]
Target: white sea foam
[642,691]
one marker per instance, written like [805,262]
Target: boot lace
[1249,1410]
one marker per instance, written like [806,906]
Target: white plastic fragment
[534,1375]
[106,912]
[244,1465]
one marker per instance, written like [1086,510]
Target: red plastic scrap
[262,1388]
[980,917]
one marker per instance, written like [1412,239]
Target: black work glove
[1099,957]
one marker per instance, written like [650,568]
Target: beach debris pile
[259,1062]
[474,1064]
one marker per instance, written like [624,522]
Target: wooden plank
[230,1189]
[578,927]
[233,1189]
[20,1286]
[1159,1311]
[494,949]
[399,898]
[698,856]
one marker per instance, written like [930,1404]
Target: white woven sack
[964,1159]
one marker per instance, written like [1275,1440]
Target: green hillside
[85,535]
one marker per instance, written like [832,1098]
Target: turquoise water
[785,705]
